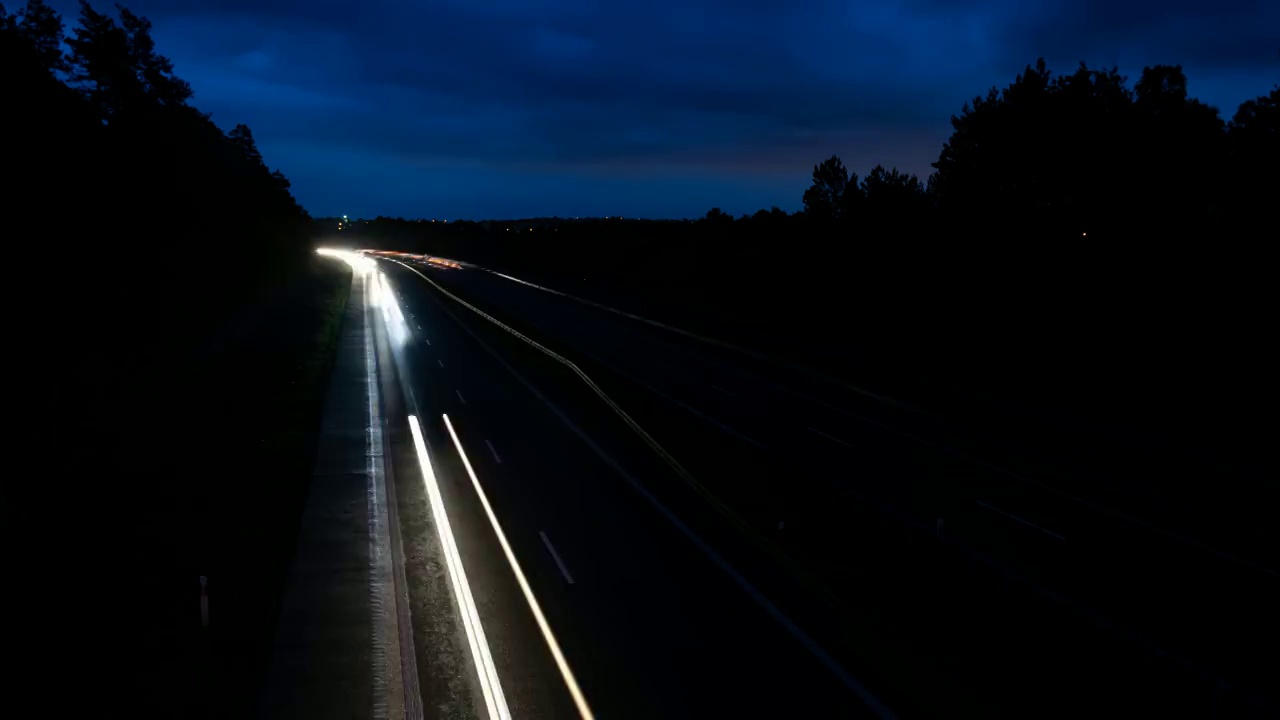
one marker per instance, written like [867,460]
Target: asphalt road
[711,534]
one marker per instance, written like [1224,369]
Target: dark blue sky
[665,108]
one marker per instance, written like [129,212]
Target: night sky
[666,108]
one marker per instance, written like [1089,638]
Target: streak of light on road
[358,262]
[565,672]
[495,701]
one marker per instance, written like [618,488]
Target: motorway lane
[1016,524]
[668,361]
[651,625]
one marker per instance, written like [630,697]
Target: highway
[707,533]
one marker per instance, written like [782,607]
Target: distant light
[358,262]
[1084,234]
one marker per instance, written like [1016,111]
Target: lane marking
[830,437]
[675,401]
[387,638]
[835,668]
[726,392]
[818,374]
[1028,523]
[495,701]
[570,682]
[464,400]
[440,361]
[556,556]
[495,452]
[811,372]
[815,586]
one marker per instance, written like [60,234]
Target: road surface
[709,534]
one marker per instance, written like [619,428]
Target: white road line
[464,400]
[836,669]
[556,556]
[496,458]
[830,437]
[495,701]
[1028,523]
[440,361]
[570,682]
[726,392]
[386,633]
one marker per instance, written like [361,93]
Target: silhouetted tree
[41,27]
[1176,139]
[241,138]
[716,216]
[118,133]
[829,197]
[893,196]
[1063,155]
[1253,138]
[117,66]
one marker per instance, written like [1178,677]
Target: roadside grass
[267,383]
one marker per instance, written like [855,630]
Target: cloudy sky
[663,108]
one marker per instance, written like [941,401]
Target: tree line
[155,263]
[107,154]
[1073,155]
[1081,242]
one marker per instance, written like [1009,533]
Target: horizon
[509,111]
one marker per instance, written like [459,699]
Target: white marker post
[204,601]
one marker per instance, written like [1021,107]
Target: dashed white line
[556,556]
[830,437]
[464,400]
[584,710]
[800,635]
[496,458]
[726,392]
[1028,523]
[440,361]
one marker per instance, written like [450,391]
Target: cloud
[741,90]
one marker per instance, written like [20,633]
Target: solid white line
[578,699]
[495,452]
[1024,522]
[830,437]
[386,650]
[495,701]
[713,341]
[556,556]
[464,400]
[849,681]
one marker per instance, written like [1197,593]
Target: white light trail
[495,701]
[358,262]
[570,682]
